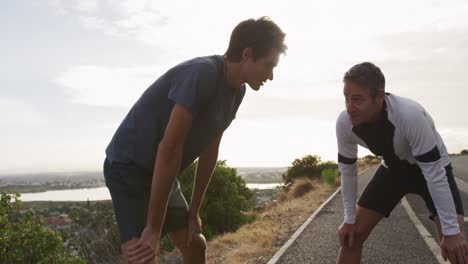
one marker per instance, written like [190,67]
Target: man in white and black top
[415,160]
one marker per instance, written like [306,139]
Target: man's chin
[255,88]
[354,122]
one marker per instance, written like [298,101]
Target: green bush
[329,176]
[225,201]
[309,166]
[464,152]
[24,239]
[94,233]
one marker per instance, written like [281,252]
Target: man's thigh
[383,192]
[366,220]
[130,192]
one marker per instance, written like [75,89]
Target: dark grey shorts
[130,188]
[387,188]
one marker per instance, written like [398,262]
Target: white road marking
[430,241]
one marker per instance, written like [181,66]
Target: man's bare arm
[205,168]
[167,165]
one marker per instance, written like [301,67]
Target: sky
[72,69]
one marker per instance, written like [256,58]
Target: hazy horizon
[70,173]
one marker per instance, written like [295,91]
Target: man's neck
[379,115]
[233,74]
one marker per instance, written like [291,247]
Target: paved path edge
[299,231]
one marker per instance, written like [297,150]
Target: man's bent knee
[367,219]
[198,242]
[360,237]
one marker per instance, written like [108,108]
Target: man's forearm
[205,168]
[166,169]
[441,195]
[349,191]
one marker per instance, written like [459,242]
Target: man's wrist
[451,232]
[193,212]
[350,221]
[152,230]
[454,235]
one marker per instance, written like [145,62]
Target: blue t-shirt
[200,86]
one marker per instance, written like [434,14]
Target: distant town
[40,182]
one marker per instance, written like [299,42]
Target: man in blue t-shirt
[179,118]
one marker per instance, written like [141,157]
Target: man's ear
[247,54]
[380,95]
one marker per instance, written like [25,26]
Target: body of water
[101,193]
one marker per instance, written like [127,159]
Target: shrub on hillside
[24,239]
[282,196]
[300,187]
[309,166]
[329,176]
[226,199]
[94,233]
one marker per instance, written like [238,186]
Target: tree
[226,199]
[464,152]
[94,233]
[23,239]
[309,166]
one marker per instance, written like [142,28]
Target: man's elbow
[170,149]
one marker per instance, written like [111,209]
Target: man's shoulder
[206,66]
[343,120]
[344,127]
[405,110]
[400,102]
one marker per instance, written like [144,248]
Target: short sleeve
[193,86]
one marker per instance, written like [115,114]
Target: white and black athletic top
[405,136]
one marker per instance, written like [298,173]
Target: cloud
[98,85]
[94,23]
[189,28]
[86,5]
[16,114]
[132,19]
[122,86]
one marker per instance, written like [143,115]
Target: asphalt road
[394,240]
[460,170]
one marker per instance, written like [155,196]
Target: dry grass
[300,187]
[257,242]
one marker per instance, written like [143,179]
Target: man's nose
[349,106]
[270,76]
